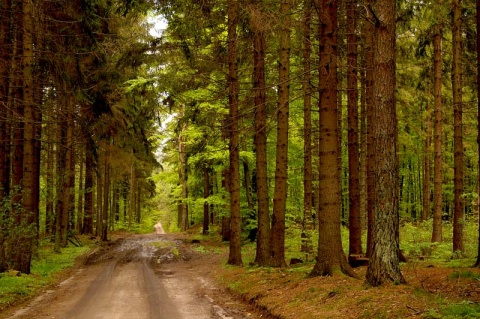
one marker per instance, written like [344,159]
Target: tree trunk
[384,260]
[88,201]
[354,220]
[79,221]
[235,252]
[182,205]
[330,253]
[369,31]
[68,192]
[5,47]
[307,225]
[206,194]
[50,158]
[363,145]
[458,163]
[60,161]
[438,121]
[18,135]
[426,164]
[27,214]
[477,263]
[132,196]
[139,200]
[260,137]
[99,202]
[277,241]
[307,118]
[106,197]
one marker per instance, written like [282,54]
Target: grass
[45,270]
[461,310]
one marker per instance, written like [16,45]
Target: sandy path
[132,280]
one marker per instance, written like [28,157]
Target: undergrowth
[46,267]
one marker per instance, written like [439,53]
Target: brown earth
[153,276]
[172,276]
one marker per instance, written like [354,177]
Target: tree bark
[79,222]
[106,194]
[182,205]
[206,194]
[330,253]
[277,241]
[426,164]
[477,263]
[437,130]
[88,201]
[384,260]
[354,220]
[235,251]
[260,137]
[307,117]
[369,77]
[458,163]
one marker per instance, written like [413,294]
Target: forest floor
[188,272]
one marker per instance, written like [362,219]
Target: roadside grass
[46,269]
[440,283]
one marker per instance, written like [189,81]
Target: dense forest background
[258,116]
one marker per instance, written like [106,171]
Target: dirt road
[139,277]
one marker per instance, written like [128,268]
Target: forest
[251,116]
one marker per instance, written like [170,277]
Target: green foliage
[45,268]
[461,310]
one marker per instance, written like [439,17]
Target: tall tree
[354,220]
[426,161]
[29,201]
[307,125]
[477,263]
[369,100]
[235,252]
[281,163]
[384,260]
[437,128]
[458,161]
[260,136]
[330,253]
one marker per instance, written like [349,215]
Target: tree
[235,252]
[330,252]
[437,129]
[277,242]
[354,220]
[458,179]
[384,259]
[369,84]
[427,163]
[260,136]
[307,127]
[30,205]
[477,263]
